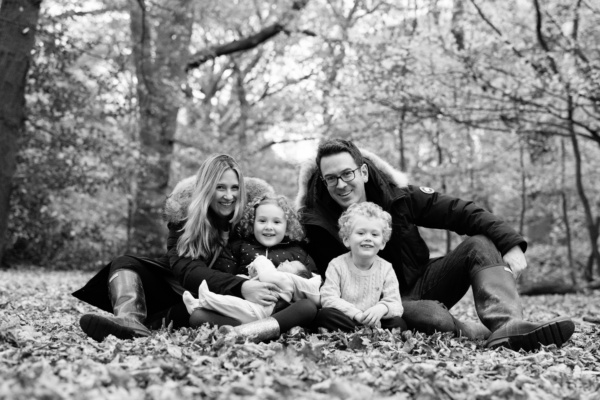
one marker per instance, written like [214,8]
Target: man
[489,260]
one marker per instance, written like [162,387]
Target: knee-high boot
[499,308]
[300,313]
[129,306]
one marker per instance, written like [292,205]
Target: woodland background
[104,106]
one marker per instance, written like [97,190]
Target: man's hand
[516,260]
[372,316]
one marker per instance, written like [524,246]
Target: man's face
[345,193]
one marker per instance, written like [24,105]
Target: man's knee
[427,316]
[480,243]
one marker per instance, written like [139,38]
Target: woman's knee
[125,262]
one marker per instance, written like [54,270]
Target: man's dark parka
[410,207]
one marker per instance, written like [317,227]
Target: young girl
[360,287]
[269,228]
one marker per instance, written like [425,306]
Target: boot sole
[99,328]
[556,331]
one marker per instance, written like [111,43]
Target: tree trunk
[565,210]
[18,20]
[160,48]
[589,219]
[523,188]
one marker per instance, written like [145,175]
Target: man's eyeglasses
[346,176]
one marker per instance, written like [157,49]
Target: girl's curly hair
[368,210]
[293,231]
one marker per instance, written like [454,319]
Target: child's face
[366,237]
[269,224]
[293,267]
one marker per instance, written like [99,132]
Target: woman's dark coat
[170,267]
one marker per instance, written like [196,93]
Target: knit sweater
[352,290]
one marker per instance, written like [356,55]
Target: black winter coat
[410,207]
[245,251]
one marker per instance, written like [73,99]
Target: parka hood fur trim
[308,168]
[176,205]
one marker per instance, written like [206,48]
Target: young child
[360,287]
[269,227]
[268,249]
[294,280]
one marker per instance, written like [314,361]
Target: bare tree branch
[243,44]
[274,142]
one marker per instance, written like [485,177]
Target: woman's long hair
[201,236]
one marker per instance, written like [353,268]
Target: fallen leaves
[44,354]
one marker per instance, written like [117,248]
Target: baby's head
[296,268]
[365,228]
[270,218]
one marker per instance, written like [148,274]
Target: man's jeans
[445,282]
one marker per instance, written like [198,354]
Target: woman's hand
[261,293]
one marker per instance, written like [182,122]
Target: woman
[199,222]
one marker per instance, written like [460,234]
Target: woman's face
[226,194]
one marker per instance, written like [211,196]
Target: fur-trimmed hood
[177,202]
[309,168]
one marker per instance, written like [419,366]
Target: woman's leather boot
[129,308]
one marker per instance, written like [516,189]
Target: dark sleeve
[174,233]
[438,211]
[322,248]
[308,261]
[192,272]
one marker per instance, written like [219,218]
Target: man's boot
[499,308]
[129,306]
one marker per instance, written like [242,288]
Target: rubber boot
[499,308]
[129,308]
[256,331]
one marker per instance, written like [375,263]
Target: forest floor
[44,354]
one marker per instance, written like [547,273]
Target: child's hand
[373,315]
[359,317]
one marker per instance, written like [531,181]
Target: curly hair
[293,231]
[368,210]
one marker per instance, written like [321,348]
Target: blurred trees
[473,97]
[17,32]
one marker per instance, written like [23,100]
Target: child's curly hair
[293,231]
[368,210]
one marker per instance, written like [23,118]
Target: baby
[294,280]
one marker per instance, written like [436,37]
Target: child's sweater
[352,290]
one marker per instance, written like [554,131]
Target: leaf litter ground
[44,354]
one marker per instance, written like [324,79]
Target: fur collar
[308,168]
[177,202]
